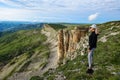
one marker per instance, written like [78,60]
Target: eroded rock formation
[66,41]
[60,45]
[70,41]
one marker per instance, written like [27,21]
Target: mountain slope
[22,51]
[32,55]
[106,59]
[50,62]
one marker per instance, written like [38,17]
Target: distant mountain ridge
[15,26]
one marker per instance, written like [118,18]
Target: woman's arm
[96,31]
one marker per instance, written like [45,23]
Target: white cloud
[29,15]
[10,3]
[15,14]
[43,4]
[64,4]
[93,16]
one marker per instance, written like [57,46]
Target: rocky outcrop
[60,45]
[70,41]
[66,41]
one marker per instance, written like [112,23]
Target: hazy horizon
[58,22]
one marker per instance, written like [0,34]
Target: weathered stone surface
[66,41]
[70,41]
[60,45]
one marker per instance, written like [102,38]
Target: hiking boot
[90,71]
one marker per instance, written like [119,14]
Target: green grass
[68,26]
[36,78]
[16,46]
[31,41]
[20,42]
[106,55]
[57,26]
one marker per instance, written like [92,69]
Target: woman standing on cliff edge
[92,45]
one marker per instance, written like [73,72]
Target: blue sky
[72,11]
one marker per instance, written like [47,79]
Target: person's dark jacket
[93,40]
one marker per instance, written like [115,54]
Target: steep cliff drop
[71,41]
[63,44]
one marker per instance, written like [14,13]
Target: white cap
[93,26]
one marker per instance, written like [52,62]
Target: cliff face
[106,56]
[41,49]
[71,41]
